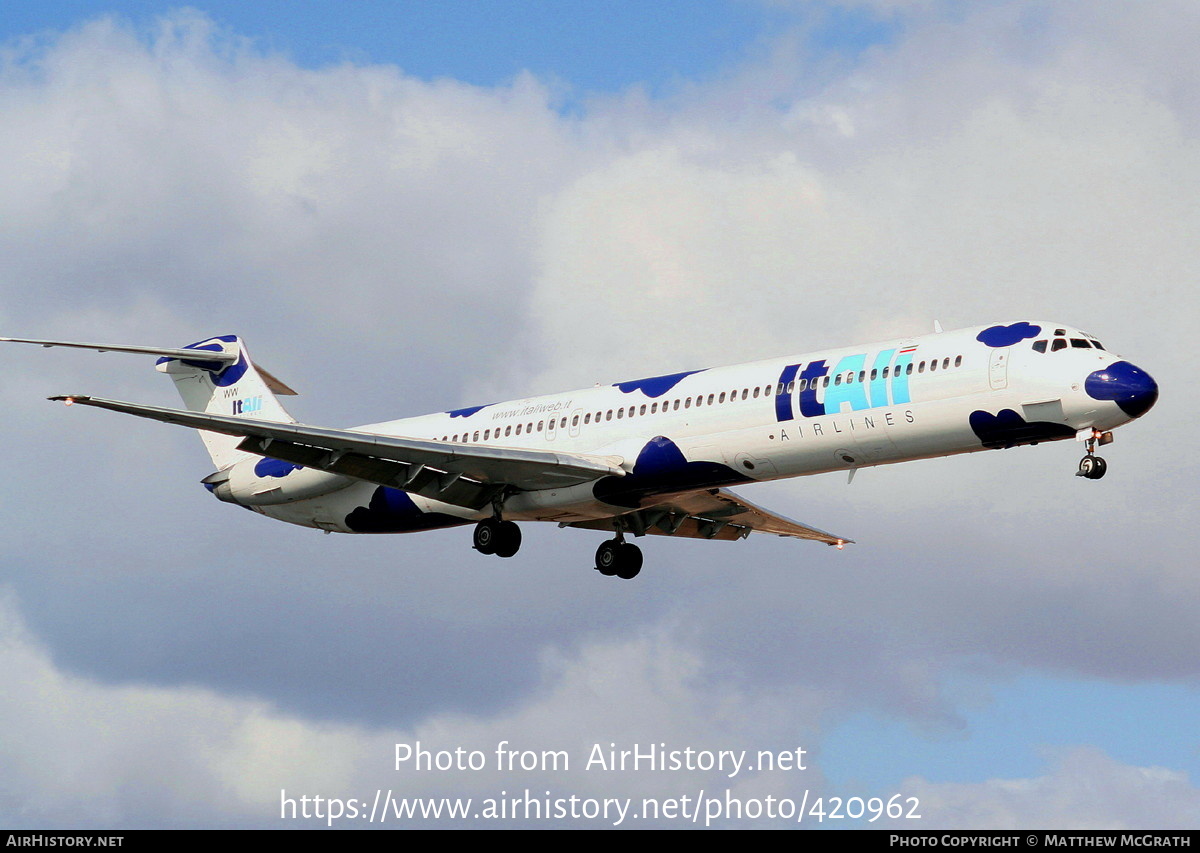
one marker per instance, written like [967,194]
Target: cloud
[79,753]
[392,246]
[1084,789]
[192,170]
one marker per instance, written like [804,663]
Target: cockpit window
[1060,332]
[1059,343]
[1080,343]
[1097,344]
[1039,346]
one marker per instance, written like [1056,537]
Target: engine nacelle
[269,482]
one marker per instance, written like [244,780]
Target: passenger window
[862,375]
[933,364]
[487,434]
[676,406]
[508,430]
[687,404]
[837,380]
[608,415]
[721,399]
[620,413]
[476,436]
[825,382]
[518,429]
[791,389]
[654,408]
[958,361]
[455,437]
[540,425]
[908,370]
[1058,344]
[921,369]
[885,373]
[642,410]
[575,421]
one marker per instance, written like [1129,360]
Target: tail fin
[232,385]
[221,379]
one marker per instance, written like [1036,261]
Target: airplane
[647,456]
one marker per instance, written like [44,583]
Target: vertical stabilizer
[225,387]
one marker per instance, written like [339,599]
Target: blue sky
[1014,730]
[846,173]
[592,47]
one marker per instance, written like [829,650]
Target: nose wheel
[1092,467]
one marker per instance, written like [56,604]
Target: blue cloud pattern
[1008,429]
[655,386]
[661,468]
[393,511]
[467,411]
[1007,336]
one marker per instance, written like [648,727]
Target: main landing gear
[493,536]
[503,538]
[1092,466]
[620,558]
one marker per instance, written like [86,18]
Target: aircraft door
[551,427]
[998,372]
[576,420]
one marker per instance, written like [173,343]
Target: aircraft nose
[1127,385]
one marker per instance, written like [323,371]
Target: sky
[407,208]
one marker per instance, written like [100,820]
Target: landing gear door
[998,372]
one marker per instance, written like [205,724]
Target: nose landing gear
[1093,467]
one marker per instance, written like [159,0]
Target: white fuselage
[874,404]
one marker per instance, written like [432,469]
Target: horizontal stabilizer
[159,351]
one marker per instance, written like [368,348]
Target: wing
[710,514]
[468,475]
